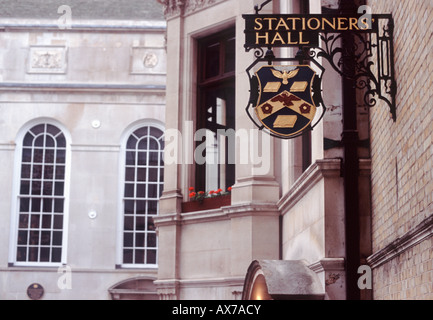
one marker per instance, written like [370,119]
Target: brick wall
[402,154]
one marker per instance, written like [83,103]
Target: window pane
[25,187]
[24,205]
[61,156]
[153,191]
[141,191]
[24,221]
[49,142]
[57,255]
[130,174]
[58,205]
[58,222]
[46,238]
[230,55]
[27,155]
[128,256]
[151,240]
[129,207]
[139,240]
[34,221]
[153,175]
[36,205]
[45,255]
[60,172]
[140,224]
[151,256]
[22,237]
[57,238]
[156,133]
[129,223]
[212,63]
[139,256]
[47,205]
[46,221]
[152,207]
[128,239]
[142,158]
[21,254]
[129,190]
[59,188]
[141,174]
[141,208]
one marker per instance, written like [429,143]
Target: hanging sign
[290,30]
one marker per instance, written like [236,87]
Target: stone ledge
[318,170]
[420,233]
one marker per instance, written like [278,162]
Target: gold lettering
[341,22]
[301,40]
[289,38]
[260,37]
[353,24]
[326,21]
[303,24]
[278,38]
[270,22]
[282,23]
[317,24]
[293,22]
[259,25]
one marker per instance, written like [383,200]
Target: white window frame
[15,207]
[122,166]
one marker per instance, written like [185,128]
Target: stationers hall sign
[286,93]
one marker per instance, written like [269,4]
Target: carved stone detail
[47,60]
[173,8]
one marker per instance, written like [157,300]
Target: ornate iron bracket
[377,81]
[259,8]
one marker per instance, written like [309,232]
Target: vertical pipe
[351,165]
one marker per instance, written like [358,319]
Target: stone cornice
[420,233]
[317,171]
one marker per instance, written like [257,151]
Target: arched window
[40,208]
[143,177]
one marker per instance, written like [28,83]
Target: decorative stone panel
[47,59]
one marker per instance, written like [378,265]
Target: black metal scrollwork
[375,80]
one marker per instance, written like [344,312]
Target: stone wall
[402,160]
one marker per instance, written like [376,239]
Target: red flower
[201,193]
[219,190]
[192,194]
[229,189]
[211,192]
[191,189]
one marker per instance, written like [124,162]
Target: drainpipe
[350,140]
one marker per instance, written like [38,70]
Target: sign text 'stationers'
[299,30]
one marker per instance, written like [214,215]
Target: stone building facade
[82,96]
[402,159]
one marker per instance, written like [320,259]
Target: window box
[207,204]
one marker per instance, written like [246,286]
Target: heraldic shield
[285,105]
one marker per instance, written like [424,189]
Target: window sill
[207,204]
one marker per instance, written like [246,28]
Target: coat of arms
[285,105]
